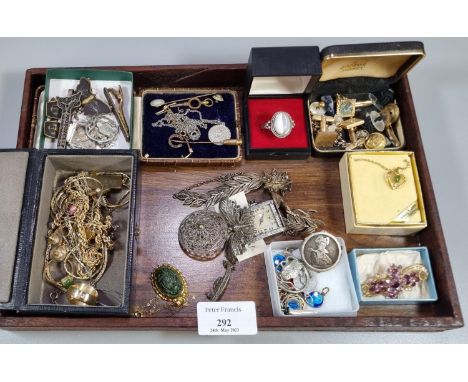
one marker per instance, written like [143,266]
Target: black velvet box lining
[155,139]
[352,87]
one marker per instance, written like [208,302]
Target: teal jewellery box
[366,262]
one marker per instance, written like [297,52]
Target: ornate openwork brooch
[395,281]
[202,234]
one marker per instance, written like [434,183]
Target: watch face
[267,220]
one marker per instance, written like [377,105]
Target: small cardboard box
[371,205]
[340,301]
[427,290]
[279,79]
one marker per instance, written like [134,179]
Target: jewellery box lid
[14,210]
[366,67]
[283,70]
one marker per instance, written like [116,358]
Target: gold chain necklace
[81,233]
[394,178]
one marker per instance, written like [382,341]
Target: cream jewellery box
[381,193]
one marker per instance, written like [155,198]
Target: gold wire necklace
[81,234]
[393,176]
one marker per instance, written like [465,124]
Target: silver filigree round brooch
[203,234]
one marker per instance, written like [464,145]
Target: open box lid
[366,67]
[13,210]
[283,70]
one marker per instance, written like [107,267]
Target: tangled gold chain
[80,233]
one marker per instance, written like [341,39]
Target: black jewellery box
[368,75]
[29,179]
[279,79]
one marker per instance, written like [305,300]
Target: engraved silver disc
[321,251]
[203,234]
[218,134]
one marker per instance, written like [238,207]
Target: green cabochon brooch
[170,284]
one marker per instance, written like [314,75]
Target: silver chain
[184,125]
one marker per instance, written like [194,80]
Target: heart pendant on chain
[395,179]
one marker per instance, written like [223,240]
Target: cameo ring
[280,124]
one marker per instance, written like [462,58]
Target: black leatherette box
[279,79]
[27,291]
[355,70]
[15,209]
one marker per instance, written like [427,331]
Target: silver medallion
[203,234]
[92,132]
[291,269]
[218,134]
[102,130]
[321,251]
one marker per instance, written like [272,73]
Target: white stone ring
[281,124]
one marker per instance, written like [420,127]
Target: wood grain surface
[316,185]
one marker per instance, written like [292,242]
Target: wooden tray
[316,185]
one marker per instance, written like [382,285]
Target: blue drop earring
[315,299]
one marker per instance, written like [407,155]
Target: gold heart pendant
[395,179]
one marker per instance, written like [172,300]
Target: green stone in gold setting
[170,284]
[168,281]
[395,179]
[67,281]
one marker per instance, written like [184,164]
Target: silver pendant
[67,105]
[93,132]
[218,134]
[293,276]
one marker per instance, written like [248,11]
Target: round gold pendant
[169,284]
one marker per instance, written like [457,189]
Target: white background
[440,91]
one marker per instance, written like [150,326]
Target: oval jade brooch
[169,284]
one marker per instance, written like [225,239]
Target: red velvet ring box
[279,79]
